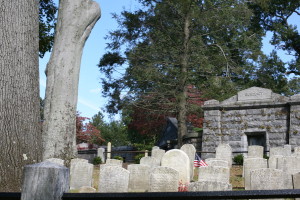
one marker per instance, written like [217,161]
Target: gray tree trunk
[20,130]
[76,18]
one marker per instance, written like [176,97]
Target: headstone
[288,149]
[179,161]
[109,150]
[86,189]
[216,162]
[114,162]
[150,161]
[81,175]
[56,160]
[266,179]
[296,180]
[44,181]
[214,174]
[252,164]
[255,151]
[224,152]
[138,178]
[101,154]
[277,151]
[209,186]
[190,150]
[164,179]
[273,160]
[155,147]
[289,164]
[157,154]
[113,179]
[77,160]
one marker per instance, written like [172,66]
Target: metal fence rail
[247,194]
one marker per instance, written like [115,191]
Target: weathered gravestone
[216,162]
[289,164]
[81,175]
[214,174]
[252,164]
[113,178]
[155,147]
[273,160]
[255,151]
[267,179]
[44,181]
[209,186]
[114,162]
[296,180]
[288,149]
[190,150]
[77,160]
[101,154]
[164,179]
[139,178]
[179,161]
[150,161]
[279,151]
[56,160]
[157,154]
[224,152]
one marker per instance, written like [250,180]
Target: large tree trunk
[20,130]
[76,18]
[182,103]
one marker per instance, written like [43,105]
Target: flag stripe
[198,162]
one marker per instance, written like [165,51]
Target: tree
[273,15]
[170,45]
[76,18]
[20,128]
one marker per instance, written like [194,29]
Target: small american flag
[198,162]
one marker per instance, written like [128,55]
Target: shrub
[265,156]
[118,158]
[138,157]
[97,160]
[238,159]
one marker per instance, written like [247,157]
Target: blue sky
[90,99]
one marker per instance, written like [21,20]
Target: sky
[90,100]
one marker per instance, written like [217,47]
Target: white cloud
[88,104]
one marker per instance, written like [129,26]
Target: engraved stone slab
[113,178]
[179,161]
[114,162]
[254,94]
[279,151]
[289,164]
[267,179]
[252,164]
[101,154]
[224,152]
[81,175]
[190,150]
[255,151]
[157,154]
[216,162]
[56,160]
[214,173]
[164,179]
[209,186]
[139,178]
[150,161]
[272,161]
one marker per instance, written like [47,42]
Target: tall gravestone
[252,164]
[150,161]
[255,151]
[224,152]
[139,178]
[113,179]
[190,150]
[81,175]
[214,173]
[44,181]
[101,154]
[164,179]
[179,161]
[289,164]
[157,154]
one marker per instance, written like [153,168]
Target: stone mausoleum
[255,116]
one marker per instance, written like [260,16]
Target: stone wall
[255,116]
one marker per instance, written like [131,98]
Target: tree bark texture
[20,129]
[76,18]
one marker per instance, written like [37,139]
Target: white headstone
[114,162]
[209,186]
[113,179]
[139,178]
[296,181]
[56,160]
[255,151]
[179,161]
[224,152]
[190,150]
[273,160]
[252,164]
[157,154]
[150,161]
[155,147]
[279,151]
[101,154]
[289,164]
[164,179]
[109,150]
[216,162]
[214,174]
[266,179]
[81,174]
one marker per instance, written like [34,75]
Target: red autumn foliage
[148,122]
[86,132]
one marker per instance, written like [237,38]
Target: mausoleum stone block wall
[255,116]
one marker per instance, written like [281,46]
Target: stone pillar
[109,150]
[44,181]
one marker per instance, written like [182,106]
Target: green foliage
[118,158]
[137,158]
[238,159]
[97,160]
[266,156]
